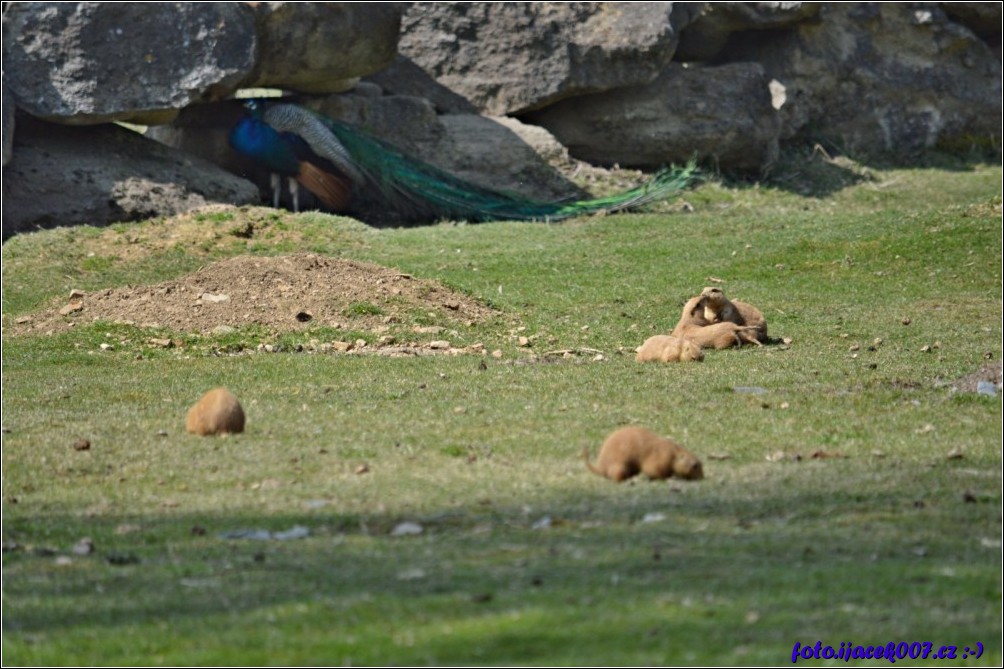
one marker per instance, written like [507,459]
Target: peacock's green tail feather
[419,190]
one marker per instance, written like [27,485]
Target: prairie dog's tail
[585,458]
[748,333]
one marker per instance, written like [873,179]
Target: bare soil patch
[990,373]
[282,293]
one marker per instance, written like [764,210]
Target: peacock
[336,161]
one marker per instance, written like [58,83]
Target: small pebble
[542,524]
[406,529]
[986,388]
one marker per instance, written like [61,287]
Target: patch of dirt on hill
[970,383]
[283,293]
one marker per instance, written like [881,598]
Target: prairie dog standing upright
[719,309]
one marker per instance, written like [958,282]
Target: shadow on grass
[596,582]
[820,169]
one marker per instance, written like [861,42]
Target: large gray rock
[513,57]
[707,35]
[8,122]
[983,18]
[885,79]
[323,47]
[719,113]
[404,77]
[62,175]
[93,62]
[203,131]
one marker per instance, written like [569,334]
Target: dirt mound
[283,294]
[970,383]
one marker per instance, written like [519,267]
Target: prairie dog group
[711,320]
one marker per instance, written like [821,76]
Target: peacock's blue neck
[258,140]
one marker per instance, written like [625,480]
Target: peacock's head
[254,108]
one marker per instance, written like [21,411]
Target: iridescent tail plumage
[414,189]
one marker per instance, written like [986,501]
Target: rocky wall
[500,93]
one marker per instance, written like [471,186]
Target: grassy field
[880,294]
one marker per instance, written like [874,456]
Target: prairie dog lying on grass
[637,450]
[665,348]
[732,323]
[718,335]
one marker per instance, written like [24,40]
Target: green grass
[525,557]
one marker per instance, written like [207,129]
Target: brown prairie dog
[718,335]
[711,320]
[665,348]
[719,309]
[217,412]
[637,450]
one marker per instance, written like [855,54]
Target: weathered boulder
[513,57]
[203,131]
[885,79]
[492,152]
[93,62]
[404,77]
[86,63]
[8,122]
[707,35]
[62,175]
[865,78]
[983,18]
[323,47]
[720,113]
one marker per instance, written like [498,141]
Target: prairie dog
[217,412]
[712,308]
[717,308]
[718,335]
[637,450]
[665,348]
